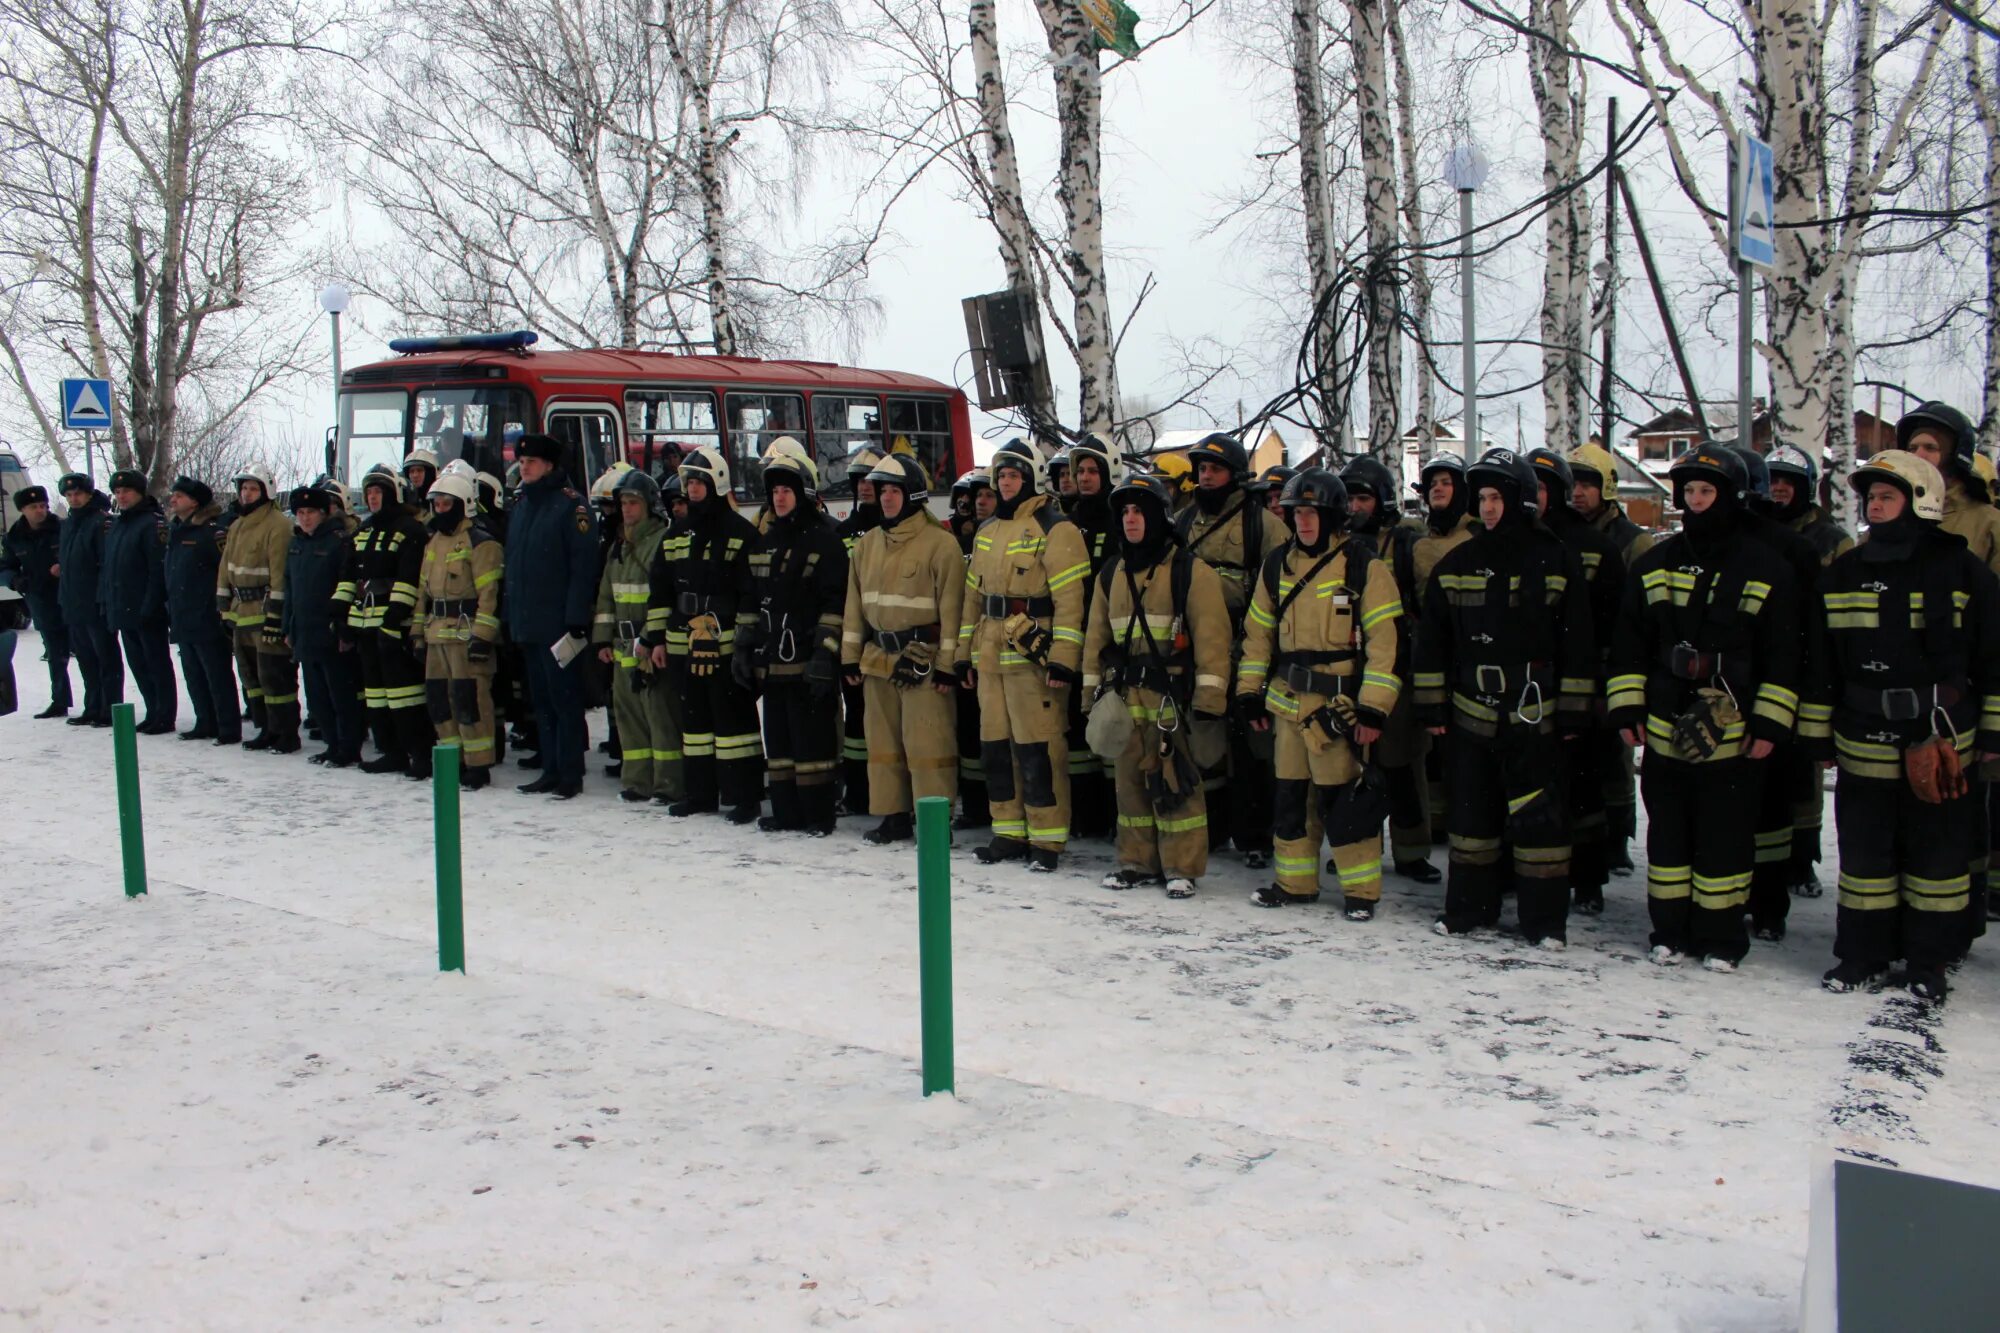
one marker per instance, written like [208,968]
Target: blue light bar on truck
[516,341]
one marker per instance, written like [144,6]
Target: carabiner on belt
[1541,704]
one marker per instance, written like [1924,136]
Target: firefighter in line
[1903,699]
[963,521]
[1061,485]
[1092,471]
[457,628]
[30,556]
[598,678]
[1583,753]
[864,518]
[1019,645]
[905,598]
[974,811]
[1318,668]
[420,472]
[1794,492]
[1507,665]
[132,589]
[1371,502]
[792,650]
[1447,524]
[1704,665]
[1594,494]
[1269,488]
[1227,527]
[1159,638]
[1789,775]
[81,555]
[646,707]
[316,564]
[379,596]
[701,598]
[249,592]
[551,589]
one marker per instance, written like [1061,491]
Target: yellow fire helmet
[1177,470]
[901,445]
[603,490]
[1921,482]
[1588,459]
[1982,468]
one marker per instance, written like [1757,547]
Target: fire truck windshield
[469,423]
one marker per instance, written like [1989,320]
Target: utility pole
[1605,380]
[1660,301]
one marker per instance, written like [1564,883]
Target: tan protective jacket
[1027,568]
[458,587]
[902,577]
[253,565]
[1195,641]
[1220,541]
[1321,620]
[1978,524]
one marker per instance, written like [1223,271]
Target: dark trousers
[721,756]
[211,681]
[801,740]
[556,694]
[1239,807]
[975,809]
[333,695]
[1482,848]
[1589,830]
[151,663]
[1904,882]
[1701,848]
[853,751]
[103,673]
[1788,778]
[392,694]
[55,651]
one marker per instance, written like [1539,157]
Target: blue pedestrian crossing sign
[1753,199]
[86,404]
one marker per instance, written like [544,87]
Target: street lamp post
[333,299]
[1465,169]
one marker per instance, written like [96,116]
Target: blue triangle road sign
[86,404]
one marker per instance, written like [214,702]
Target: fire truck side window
[469,424]
[658,418]
[924,425]
[842,423]
[755,420]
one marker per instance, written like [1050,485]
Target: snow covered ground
[678,1085]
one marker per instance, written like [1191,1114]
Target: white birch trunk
[1366,33]
[1789,42]
[710,185]
[1310,105]
[1986,105]
[1079,109]
[1009,204]
[1413,228]
[1565,287]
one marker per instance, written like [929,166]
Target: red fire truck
[460,396]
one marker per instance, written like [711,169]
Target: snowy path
[681,1072]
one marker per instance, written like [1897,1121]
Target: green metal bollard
[934,940]
[131,831]
[450,881]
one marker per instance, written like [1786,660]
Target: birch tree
[1309,105]
[1368,38]
[1411,201]
[1986,108]
[149,193]
[1559,89]
[1816,251]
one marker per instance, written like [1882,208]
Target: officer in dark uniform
[82,552]
[1604,573]
[551,583]
[315,625]
[702,597]
[1704,674]
[133,593]
[1506,662]
[1903,698]
[30,554]
[1371,507]
[793,649]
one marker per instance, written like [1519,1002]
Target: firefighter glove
[1699,731]
[1248,708]
[743,667]
[823,672]
[479,651]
